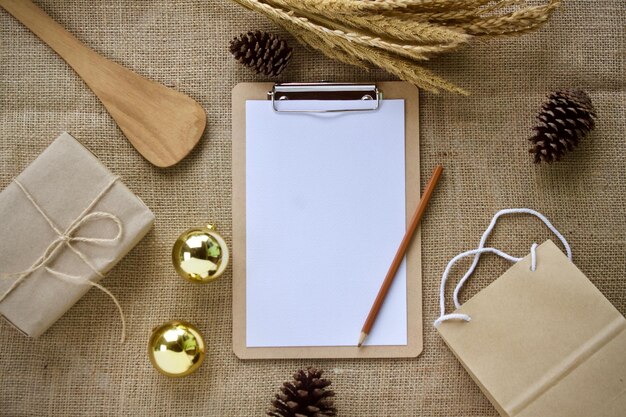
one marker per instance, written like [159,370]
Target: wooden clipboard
[259,91]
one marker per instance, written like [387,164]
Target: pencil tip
[361,339]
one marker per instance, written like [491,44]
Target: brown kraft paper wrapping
[543,343]
[64,180]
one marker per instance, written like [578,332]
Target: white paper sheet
[325,213]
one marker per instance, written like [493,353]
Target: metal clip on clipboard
[324,91]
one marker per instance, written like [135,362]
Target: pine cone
[565,118]
[264,52]
[306,396]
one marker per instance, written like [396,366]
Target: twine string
[482,249]
[65,239]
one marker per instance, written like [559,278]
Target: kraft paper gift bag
[541,340]
[66,220]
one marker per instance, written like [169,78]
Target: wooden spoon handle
[73,51]
[161,123]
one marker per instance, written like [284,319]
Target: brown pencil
[397,260]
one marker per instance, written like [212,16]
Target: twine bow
[66,238]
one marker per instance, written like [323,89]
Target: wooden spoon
[162,124]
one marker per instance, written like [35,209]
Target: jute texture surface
[78,368]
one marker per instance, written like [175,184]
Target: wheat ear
[463,11]
[409,71]
[378,6]
[485,21]
[444,19]
[330,50]
[518,21]
[412,31]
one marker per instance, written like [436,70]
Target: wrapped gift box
[65,185]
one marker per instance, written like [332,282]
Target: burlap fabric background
[77,367]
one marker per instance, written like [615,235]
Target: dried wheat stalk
[328,28]
[450,16]
[395,28]
[395,34]
[518,21]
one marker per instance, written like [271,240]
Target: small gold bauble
[200,254]
[176,348]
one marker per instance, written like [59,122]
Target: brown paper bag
[542,343]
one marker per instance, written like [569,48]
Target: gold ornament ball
[200,254]
[176,348]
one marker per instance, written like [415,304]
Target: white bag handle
[482,249]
